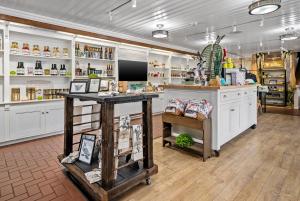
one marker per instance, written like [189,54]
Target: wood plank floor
[262,164]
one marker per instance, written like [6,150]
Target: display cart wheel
[253,126]
[148,181]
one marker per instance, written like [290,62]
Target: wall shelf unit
[26,105]
[275,79]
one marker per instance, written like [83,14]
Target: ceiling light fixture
[133,3]
[289,35]
[262,7]
[160,33]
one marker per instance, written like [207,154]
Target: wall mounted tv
[132,70]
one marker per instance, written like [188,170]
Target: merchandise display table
[128,175]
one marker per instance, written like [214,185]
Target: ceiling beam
[87,33]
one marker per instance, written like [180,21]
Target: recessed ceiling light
[160,33]
[289,35]
[262,7]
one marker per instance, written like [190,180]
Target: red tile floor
[30,171]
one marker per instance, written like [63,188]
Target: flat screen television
[132,70]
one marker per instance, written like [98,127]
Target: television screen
[133,70]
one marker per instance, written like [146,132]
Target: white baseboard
[16,141]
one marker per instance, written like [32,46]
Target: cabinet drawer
[230,95]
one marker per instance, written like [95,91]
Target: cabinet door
[25,122]
[230,121]
[2,124]
[234,119]
[225,124]
[244,114]
[252,110]
[54,120]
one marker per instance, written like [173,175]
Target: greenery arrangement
[184,140]
[93,76]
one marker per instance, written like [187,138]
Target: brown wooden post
[207,139]
[148,134]
[68,142]
[107,112]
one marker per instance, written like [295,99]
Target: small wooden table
[203,126]
[109,188]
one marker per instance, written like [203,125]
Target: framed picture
[104,86]
[94,85]
[86,148]
[79,86]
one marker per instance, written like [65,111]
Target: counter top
[205,88]
[121,98]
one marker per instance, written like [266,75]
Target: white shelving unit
[30,119]
[158,67]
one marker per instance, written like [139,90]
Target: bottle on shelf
[105,54]
[53,70]
[38,70]
[62,71]
[20,68]
[101,53]
[110,54]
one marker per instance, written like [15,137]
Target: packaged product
[198,109]
[176,106]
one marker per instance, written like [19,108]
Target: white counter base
[235,110]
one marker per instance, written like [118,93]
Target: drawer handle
[224,96]
[245,92]
[239,94]
[232,110]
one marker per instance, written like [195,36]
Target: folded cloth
[71,158]
[93,176]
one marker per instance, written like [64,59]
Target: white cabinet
[25,122]
[230,121]
[54,119]
[2,124]
[35,119]
[238,112]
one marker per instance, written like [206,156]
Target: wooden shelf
[40,57]
[94,59]
[274,84]
[197,147]
[39,76]
[274,69]
[204,126]
[87,77]
[276,98]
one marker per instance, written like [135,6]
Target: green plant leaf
[184,140]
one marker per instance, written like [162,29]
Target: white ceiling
[187,20]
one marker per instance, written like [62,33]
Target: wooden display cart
[128,175]
[204,126]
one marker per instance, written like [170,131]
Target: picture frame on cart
[86,148]
[94,85]
[79,86]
